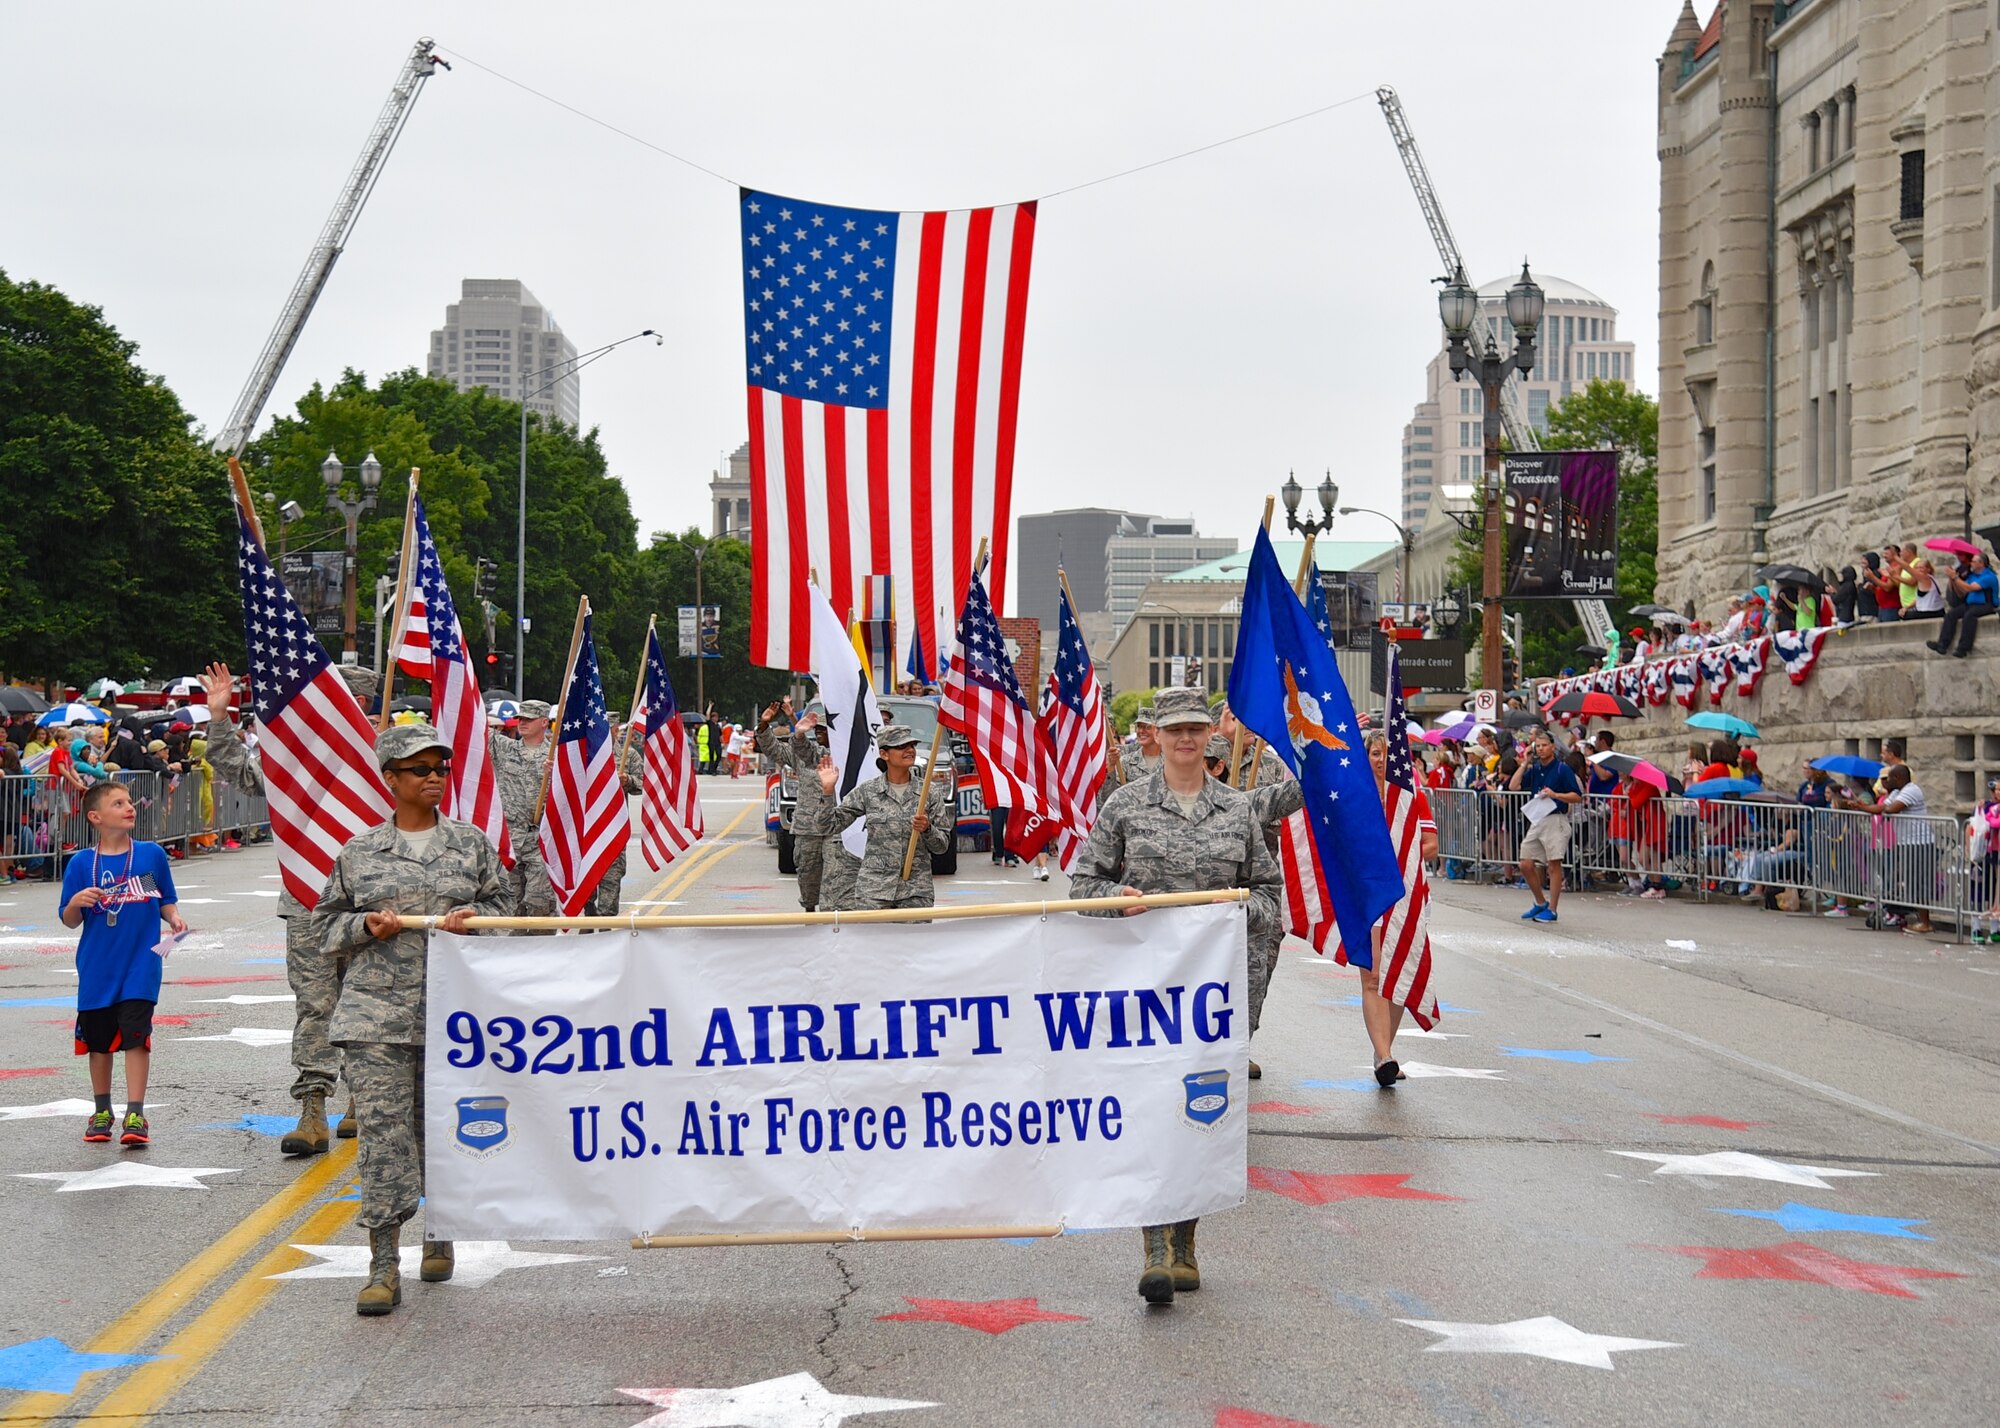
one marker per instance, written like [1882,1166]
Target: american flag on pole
[669,809]
[1406,927]
[1073,722]
[883,362]
[318,748]
[433,648]
[584,821]
[981,699]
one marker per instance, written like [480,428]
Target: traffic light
[496,671]
[487,580]
[1510,671]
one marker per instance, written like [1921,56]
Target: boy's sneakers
[136,1130]
[1534,913]
[97,1130]
[1544,913]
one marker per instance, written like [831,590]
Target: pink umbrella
[1952,544]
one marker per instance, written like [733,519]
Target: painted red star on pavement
[989,1316]
[14,1073]
[1713,1122]
[1282,1108]
[1310,1189]
[1807,1264]
[1245,1418]
[179,1018]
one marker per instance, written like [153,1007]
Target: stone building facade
[1829,290]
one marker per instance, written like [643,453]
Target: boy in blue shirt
[1546,844]
[118,892]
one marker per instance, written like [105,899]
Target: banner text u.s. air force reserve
[1007,1071]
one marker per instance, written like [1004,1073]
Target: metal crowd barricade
[42,823]
[1860,861]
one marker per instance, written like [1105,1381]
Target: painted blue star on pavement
[263,1125]
[1537,1053]
[1353,1083]
[51,1366]
[67,1003]
[1796,1217]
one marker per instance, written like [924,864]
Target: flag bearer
[889,803]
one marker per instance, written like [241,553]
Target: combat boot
[310,1135]
[438,1261]
[1187,1274]
[1156,1283]
[384,1290]
[348,1125]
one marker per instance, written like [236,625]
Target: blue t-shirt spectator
[115,960]
[1554,776]
[1985,588]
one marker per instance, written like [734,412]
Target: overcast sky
[1193,330]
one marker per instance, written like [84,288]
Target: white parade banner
[1008,1071]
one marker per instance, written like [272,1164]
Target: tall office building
[500,337]
[1073,540]
[1445,441]
[1149,548]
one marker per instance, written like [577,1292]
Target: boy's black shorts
[122,1026]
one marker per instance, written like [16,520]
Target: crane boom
[421,63]
[1519,433]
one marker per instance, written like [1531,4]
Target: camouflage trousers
[1263,962]
[528,883]
[604,901]
[811,855]
[836,889]
[388,1082]
[315,975]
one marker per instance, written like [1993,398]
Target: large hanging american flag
[883,360]
[433,648]
[318,748]
[981,699]
[584,820]
[1406,927]
[669,808]
[1073,722]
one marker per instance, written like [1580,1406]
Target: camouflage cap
[895,736]
[533,709]
[362,682]
[400,741]
[1218,747]
[1144,716]
[1172,707]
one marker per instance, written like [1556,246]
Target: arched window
[1704,308]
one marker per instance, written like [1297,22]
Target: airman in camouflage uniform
[384,881]
[607,896]
[1135,763]
[518,768]
[1151,838]
[801,749]
[313,972]
[890,806]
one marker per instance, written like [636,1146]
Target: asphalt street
[1659,1164]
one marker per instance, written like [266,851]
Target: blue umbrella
[1724,723]
[1720,787]
[73,713]
[1849,765]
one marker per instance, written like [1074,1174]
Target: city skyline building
[1148,548]
[1073,540]
[498,335]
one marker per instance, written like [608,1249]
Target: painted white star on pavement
[48,1110]
[245,999]
[476,1262]
[129,1172]
[794,1401]
[1420,1071]
[1746,1166]
[248,1036]
[1545,1338]
[1433,1035]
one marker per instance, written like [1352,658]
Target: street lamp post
[700,654]
[1409,541]
[1329,497]
[333,473]
[1458,306]
[573,365]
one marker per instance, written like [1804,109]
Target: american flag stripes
[883,366]
[1406,927]
[584,821]
[1073,721]
[318,747]
[982,700]
[669,808]
[1308,909]
[433,648]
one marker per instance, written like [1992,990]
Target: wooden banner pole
[638,688]
[1236,740]
[554,732]
[243,498]
[402,604]
[923,798]
[634,922]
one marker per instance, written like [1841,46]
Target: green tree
[664,580]
[1602,414]
[1125,707]
[117,554]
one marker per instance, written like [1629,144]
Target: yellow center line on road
[147,1390]
[682,877]
[130,1332]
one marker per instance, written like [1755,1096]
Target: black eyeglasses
[425,770]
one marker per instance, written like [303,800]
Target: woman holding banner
[894,810]
[1178,830]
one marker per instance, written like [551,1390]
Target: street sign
[1432,664]
[1486,705]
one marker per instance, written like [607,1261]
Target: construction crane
[418,67]
[1520,434]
